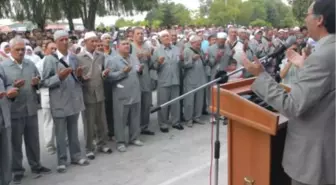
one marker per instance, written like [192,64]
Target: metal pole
[194,90]
[217,142]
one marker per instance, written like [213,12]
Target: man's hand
[295,58]
[35,81]
[19,83]
[196,57]
[127,69]
[270,44]
[79,71]
[2,94]
[106,72]
[254,68]
[161,60]
[12,93]
[140,55]
[141,66]
[64,73]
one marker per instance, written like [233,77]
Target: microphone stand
[220,78]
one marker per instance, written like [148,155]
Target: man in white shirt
[49,130]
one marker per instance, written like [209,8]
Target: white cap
[221,35]
[105,35]
[90,35]
[296,29]
[281,30]
[163,33]
[195,38]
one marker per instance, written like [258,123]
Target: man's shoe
[137,142]
[190,123]
[164,130]
[178,126]
[147,132]
[90,155]
[198,121]
[17,179]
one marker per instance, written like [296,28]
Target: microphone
[284,46]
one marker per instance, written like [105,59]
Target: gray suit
[145,84]
[194,77]
[108,98]
[5,134]
[309,155]
[168,83]
[94,117]
[24,115]
[66,102]
[126,97]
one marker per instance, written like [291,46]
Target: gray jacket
[309,155]
[5,116]
[25,104]
[66,97]
[93,88]
[169,71]
[126,86]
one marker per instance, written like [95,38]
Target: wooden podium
[255,137]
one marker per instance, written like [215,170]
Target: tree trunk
[41,24]
[68,12]
[91,17]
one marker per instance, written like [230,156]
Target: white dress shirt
[61,56]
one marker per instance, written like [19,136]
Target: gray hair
[16,40]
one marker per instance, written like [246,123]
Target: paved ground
[176,158]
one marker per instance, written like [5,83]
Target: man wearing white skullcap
[61,74]
[166,61]
[195,76]
[94,115]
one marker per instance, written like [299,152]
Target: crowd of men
[108,78]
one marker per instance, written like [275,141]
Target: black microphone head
[290,41]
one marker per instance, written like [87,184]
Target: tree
[36,11]
[205,7]
[169,14]
[299,8]
[222,13]
[124,23]
[259,23]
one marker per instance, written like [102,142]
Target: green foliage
[169,14]
[221,13]
[300,8]
[259,23]
[124,23]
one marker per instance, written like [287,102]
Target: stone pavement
[176,158]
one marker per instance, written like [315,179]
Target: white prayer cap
[258,31]
[195,38]
[221,35]
[90,35]
[281,30]
[105,35]
[191,34]
[163,33]
[296,29]
[60,33]
[242,30]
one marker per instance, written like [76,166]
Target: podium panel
[256,137]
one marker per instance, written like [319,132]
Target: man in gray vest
[23,74]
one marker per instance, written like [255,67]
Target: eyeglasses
[20,49]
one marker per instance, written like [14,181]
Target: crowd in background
[109,79]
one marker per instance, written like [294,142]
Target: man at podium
[309,154]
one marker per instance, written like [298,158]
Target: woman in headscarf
[4,51]
[75,49]
[31,55]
